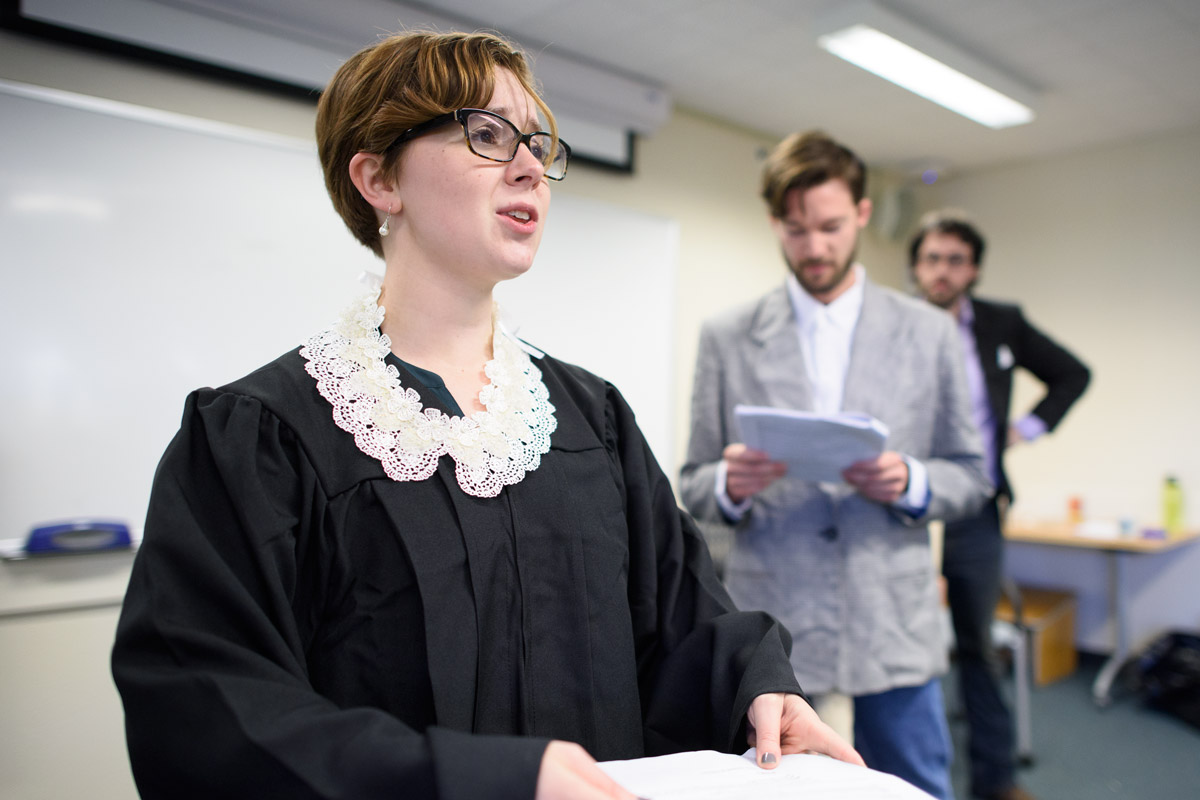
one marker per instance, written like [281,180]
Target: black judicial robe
[298,625]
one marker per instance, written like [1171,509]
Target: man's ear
[864,212]
[376,186]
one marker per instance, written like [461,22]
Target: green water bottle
[1172,499]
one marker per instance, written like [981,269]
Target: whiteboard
[146,254]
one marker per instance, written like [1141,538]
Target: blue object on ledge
[78,536]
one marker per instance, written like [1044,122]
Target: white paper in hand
[815,447]
[708,775]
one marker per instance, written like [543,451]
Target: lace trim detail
[491,448]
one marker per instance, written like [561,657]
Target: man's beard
[944,300]
[830,281]
[948,299]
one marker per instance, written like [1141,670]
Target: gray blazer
[851,579]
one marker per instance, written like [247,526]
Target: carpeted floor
[1082,752]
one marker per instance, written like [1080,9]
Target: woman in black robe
[416,557]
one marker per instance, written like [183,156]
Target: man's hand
[883,479]
[780,724]
[748,472]
[1014,436]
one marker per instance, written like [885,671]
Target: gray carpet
[1081,752]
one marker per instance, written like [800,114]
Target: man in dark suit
[945,256]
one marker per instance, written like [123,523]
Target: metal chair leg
[1022,671]
[1024,725]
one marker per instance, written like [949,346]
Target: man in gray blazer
[845,566]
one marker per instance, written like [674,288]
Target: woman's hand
[569,773]
[785,723]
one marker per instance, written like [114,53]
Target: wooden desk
[1063,534]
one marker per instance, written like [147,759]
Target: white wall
[104,373]
[1100,248]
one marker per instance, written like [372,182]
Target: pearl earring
[385,228]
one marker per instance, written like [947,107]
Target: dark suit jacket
[1005,339]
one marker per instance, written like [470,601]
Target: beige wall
[1100,249]
[60,717]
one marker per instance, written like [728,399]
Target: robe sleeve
[700,661]
[209,658]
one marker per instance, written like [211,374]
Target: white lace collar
[491,449]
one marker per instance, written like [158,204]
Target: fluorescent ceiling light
[873,38]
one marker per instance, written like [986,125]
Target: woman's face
[465,216]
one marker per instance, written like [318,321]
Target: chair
[1015,636]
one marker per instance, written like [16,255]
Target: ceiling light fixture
[878,41]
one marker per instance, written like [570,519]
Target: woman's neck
[445,329]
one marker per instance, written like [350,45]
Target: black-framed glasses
[952,260]
[493,137]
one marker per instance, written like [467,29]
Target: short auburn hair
[395,84]
[804,160]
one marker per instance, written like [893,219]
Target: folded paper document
[709,775]
[816,447]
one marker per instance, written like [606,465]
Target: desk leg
[1102,688]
